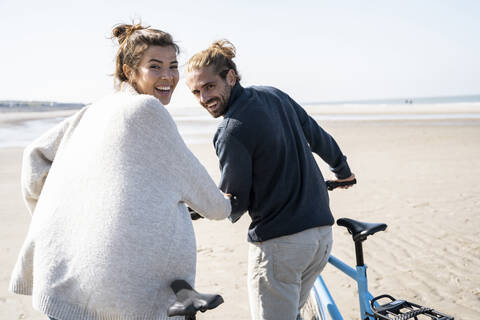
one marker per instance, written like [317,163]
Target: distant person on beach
[108,189]
[264,145]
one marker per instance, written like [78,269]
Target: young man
[264,145]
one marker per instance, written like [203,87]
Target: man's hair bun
[224,47]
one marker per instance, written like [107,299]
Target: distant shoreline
[388,109]
[472,98]
[27,106]
[12,118]
[20,105]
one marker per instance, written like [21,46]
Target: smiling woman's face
[157,73]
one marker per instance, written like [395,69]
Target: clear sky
[315,50]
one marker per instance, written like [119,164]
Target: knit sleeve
[322,143]
[236,167]
[195,185]
[200,192]
[39,156]
[37,160]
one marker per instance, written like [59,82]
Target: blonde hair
[134,40]
[220,55]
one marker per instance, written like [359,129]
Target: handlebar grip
[193,214]
[331,184]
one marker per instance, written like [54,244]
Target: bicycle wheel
[311,310]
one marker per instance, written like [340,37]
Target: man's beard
[222,102]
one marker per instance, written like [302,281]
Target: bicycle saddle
[190,301]
[360,230]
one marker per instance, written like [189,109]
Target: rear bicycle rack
[403,310]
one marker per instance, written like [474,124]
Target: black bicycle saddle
[189,301]
[360,230]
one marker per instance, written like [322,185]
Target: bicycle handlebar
[332,184]
[193,214]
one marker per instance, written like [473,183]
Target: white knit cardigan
[107,188]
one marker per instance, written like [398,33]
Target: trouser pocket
[290,261]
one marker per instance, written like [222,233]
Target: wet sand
[419,177]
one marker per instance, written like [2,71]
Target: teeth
[163,88]
[212,104]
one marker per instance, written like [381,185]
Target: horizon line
[365,100]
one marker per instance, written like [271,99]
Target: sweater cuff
[342,171]
[21,287]
[234,217]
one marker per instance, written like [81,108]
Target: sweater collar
[127,88]
[236,92]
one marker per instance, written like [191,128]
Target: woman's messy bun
[123,31]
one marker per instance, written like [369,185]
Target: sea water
[22,133]
[197,126]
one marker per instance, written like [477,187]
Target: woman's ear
[127,71]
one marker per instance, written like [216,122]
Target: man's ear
[127,71]
[231,77]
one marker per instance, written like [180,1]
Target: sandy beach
[420,177]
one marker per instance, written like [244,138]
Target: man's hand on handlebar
[341,183]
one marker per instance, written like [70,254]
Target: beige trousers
[281,272]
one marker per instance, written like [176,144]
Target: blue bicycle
[321,305]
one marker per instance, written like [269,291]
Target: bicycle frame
[325,300]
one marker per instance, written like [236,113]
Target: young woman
[107,189]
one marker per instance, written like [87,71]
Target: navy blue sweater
[264,145]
